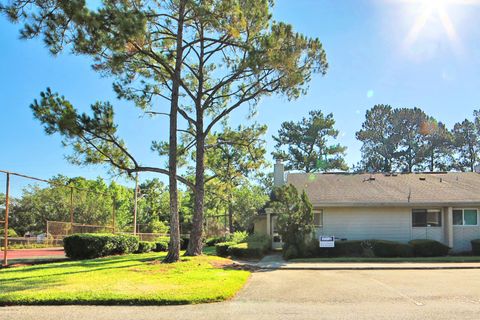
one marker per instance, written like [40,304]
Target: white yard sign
[327,242]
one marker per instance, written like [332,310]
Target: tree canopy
[308,145]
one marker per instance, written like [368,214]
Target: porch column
[269,220]
[449,227]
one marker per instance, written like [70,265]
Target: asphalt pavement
[309,294]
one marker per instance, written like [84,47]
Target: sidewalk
[276,262]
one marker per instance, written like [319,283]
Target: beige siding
[462,235]
[367,223]
[260,225]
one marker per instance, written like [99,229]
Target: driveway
[305,294]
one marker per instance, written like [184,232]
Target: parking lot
[301,294]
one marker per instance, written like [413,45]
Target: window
[465,217]
[426,218]
[317,218]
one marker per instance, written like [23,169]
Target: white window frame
[321,217]
[463,217]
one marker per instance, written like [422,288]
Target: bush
[291,253]
[222,248]
[145,246]
[476,247]
[428,248]
[161,245]
[255,246]
[238,237]
[90,245]
[11,233]
[361,248]
[125,243]
[214,240]
[248,250]
[391,249]
[348,248]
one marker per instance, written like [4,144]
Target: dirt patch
[156,271]
[230,265]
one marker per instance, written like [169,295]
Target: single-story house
[387,206]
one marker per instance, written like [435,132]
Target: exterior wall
[385,223]
[430,233]
[363,223]
[260,225]
[462,235]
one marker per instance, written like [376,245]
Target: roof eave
[397,204]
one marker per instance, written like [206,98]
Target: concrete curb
[366,268]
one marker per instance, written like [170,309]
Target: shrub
[161,245]
[362,248]
[87,246]
[428,248]
[247,250]
[163,239]
[125,243]
[145,246]
[291,253]
[11,233]
[222,248]
[255,246]
[213,241]
[390,249]
[348,248]
[476,247]
[238,237]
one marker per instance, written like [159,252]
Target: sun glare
[433,16]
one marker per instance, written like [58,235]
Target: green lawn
[396,260]
[209,251]
[132,279]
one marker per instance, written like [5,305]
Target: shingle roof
[383,189]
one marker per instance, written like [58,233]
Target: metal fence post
[7,204]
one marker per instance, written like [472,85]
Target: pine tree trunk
[230,219]
[174,244]
[195,244]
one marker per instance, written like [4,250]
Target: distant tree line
[409,140]
[393,139]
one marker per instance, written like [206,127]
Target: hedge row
[145,246]
[253,246]
[376,248]
[95,245]
[88,246]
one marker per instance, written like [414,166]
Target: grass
[209,251]
[131,279]
[393,260]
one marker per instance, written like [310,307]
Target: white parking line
[418,303]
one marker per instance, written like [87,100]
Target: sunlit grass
[132,279]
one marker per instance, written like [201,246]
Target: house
[387,206]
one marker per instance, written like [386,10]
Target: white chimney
[278,174]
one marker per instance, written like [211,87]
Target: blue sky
[405,53]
